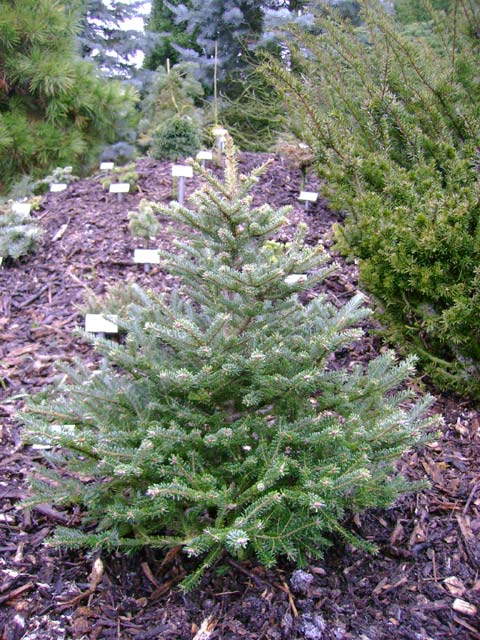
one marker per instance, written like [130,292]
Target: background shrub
[394,125]
[178,137]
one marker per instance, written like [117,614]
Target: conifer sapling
[218,425]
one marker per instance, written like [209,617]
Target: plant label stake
[220,133]
[203,156]
[146,257]
[57,187]
[181,171]
[295,278]
[308,196]
[106,166]
[98,323]
[22,208]
[119,188]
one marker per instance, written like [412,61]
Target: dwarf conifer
[218,425]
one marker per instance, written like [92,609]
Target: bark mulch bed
[425,581]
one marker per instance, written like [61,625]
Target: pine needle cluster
[218,425]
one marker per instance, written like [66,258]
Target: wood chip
[462,606]
[455,586]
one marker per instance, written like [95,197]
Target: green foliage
[173,91]
[178,137]
[408,11]
[115,302]
[394,126]
[19,233]
[102,36]
[218,425]
[128,173]
[252,112]
[60,175]
[170,35]
[54,109]
[143,223]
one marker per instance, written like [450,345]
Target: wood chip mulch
[425,581]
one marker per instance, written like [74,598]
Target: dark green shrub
[178,137]
[394,122]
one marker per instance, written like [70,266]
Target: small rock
[300,581]
[313,626]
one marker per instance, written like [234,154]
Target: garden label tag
[146,256]
[106,166]
[204,155]
[219,132]
[182,171]
[295,278]
[22,208]
[308,196]
[119,187]
[98,323]
[57,187]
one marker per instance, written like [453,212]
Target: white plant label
[146,256]
[57,187]
[22,208]
[219,132]
[295,278]
[63,428]
[308,196]
[204,155]
[119,187]
[182,171]
[106,166]
[98,323]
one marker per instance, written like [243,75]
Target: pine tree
[218,425]
[54,110]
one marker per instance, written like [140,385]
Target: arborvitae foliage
[54,110]
[218,424]
[103,37]
[394,124]
[19,233]
[170,35]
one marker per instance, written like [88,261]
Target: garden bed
[424,583]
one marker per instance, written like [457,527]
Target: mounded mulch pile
[424,582]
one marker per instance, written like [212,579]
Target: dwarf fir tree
[218,425]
